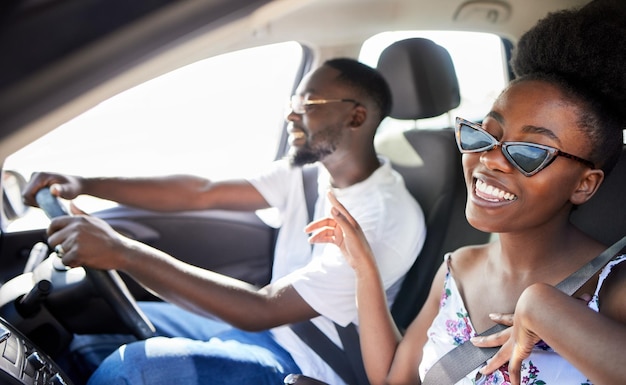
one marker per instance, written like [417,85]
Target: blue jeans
[189,349]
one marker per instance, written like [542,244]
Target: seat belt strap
[309,182]
[332,354]
[347,363]
[352,348]
[463,359]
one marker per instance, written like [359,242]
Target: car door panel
[236,244]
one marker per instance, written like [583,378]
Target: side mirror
[13,184]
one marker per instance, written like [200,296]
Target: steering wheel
[108,282]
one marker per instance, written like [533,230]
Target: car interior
[64,59]
[437,181]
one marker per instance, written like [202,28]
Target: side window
[480,64]
[221,117]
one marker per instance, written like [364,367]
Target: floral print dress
[452,327]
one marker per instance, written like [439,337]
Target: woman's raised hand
[342,230]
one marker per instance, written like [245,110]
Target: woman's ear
[589,183]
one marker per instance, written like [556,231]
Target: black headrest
[422,79]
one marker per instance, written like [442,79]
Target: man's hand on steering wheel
[87,241]
[90,242]
[63,186]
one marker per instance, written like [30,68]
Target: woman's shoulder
[468,258]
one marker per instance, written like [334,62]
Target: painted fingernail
[495,316]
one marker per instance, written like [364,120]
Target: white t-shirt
[323,278]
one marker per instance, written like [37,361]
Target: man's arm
[168,193]
[204,292]
[89,241]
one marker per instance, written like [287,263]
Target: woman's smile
[492,193]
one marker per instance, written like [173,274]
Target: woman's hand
[342,230]
[498,338]
[517,341]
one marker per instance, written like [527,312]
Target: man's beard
[306,155]
[324,143]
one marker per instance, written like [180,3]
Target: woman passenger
[545,147]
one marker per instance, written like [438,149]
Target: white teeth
[297,135]
[494,191]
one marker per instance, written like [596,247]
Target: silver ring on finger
[58,249]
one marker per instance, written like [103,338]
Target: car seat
[423,84]
[604,215]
